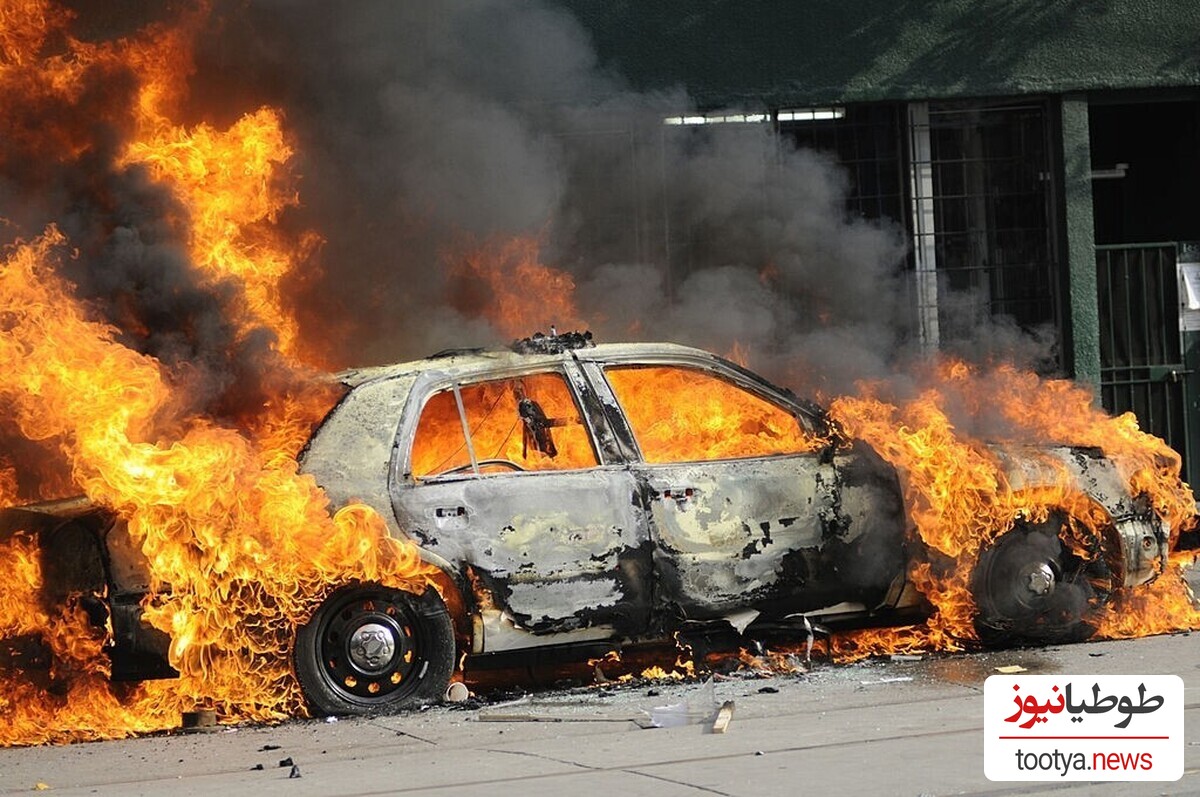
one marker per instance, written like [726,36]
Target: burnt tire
[1031,588]
[370,649]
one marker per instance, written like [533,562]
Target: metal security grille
[868,142]
[1141,352]
[993,212]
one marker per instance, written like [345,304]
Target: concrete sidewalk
[857,729]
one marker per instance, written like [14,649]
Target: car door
[744,497]
[503,474]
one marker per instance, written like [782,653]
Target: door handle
[679,495]
[450,517]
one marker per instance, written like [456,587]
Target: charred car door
[747,502]
[502,476]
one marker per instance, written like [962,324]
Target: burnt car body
[575,495]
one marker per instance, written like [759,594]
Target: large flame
[505,281]
[959,497]
[240,547]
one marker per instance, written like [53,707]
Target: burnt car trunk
[87,558]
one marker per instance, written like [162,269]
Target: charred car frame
[573,494]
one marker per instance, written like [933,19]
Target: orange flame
[505,281]
[959,497]
[240,547]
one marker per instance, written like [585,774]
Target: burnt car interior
[503,425]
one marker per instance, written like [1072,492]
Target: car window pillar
[462,417]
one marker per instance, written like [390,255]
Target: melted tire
[372,650]
[1030,588]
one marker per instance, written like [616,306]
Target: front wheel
[369,649]
[1030,587]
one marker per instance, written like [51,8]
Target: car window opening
[473,428]
[683,414]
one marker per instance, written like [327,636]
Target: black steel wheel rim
[1022,571]
[369,648]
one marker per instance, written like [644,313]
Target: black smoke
[420,126]
[127,255]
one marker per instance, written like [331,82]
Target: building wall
[1112,85]
[777,52]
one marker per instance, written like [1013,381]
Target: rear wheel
[1031,587]
[369,649]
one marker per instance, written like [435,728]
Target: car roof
[469,361]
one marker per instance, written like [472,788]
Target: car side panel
[730,533]
[557,550]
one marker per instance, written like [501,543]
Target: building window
[993,214]
[866,140]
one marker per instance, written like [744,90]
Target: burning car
[572,494]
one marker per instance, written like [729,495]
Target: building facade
[1041,155]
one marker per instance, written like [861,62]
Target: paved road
[838,730]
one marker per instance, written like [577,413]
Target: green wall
[743,52]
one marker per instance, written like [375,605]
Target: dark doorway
[1146,162]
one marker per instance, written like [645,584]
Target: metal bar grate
[1141,352]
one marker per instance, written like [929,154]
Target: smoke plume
[422,130]
[424,126]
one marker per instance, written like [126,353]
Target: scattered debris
[257,767]
[267,747]
[330,719]
[768,690]
[39,786]
[295,773]
[202,720]
[906,657]
[893,680]
[457,692]
[1095,655]
[492,716]
[287,762]
[699,707]
[1011,669]
[723,718]
[796,666]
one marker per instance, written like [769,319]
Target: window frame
[808,418]
[424,391]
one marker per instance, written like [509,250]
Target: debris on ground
[698,708]
[1010,669]
[457,692]
[723,718]
[892,680]
[295,773]
[906,657]
[492,716]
